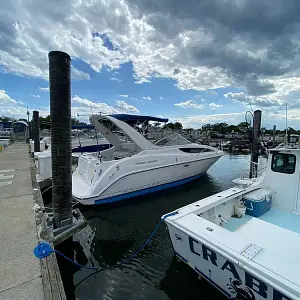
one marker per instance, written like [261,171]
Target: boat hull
[146,191]
[142,182]
[221,270]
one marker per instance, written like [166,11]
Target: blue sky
[128,58]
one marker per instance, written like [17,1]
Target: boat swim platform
[23,276]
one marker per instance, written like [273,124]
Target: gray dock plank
[27,291]
[18,239]
[22,275]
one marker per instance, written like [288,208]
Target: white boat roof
[135,136]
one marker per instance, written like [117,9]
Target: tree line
[222,128]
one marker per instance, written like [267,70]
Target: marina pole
[36,131]
[274,135]
[256,142]
[60,110]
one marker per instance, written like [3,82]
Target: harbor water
[114,232]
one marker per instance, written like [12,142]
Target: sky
[191,61]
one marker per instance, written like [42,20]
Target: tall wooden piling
[60,109]
[274,136]
[36,131]
[256,143]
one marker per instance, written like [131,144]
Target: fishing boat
[138,166]
[245,240]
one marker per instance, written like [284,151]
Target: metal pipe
[60,110]
[36,131]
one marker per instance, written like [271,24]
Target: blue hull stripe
[181,257]
[147,190]
[214,284]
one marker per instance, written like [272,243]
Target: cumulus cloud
[44,89]
[197,121]
[79,75]
[249,44]
[6,99]
[100,107]
[125,107]
[215,106]
[147,98]
[114,79]
[269,118]
[36,95]
[161,98]
[262,101]
[189,104]
[123,95]
[11,107]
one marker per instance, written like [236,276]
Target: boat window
[172,140]
[196,150]
[283,163]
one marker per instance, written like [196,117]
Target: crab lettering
[191,242]
[230,267]
[207,253]
[278,296]
[256,285]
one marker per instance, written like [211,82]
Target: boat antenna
[93,123]
[286,127]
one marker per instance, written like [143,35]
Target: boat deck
[275,216]
[275,235]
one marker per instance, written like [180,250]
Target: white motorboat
[245,240]
[138,167]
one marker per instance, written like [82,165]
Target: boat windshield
[172,140]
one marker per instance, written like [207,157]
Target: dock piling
[36,131]
[60,109]
[274,136]
[255,143]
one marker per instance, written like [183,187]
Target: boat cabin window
[283,163]
[172,140]
[196,150]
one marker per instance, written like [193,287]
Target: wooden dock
[23,276]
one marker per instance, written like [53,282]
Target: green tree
[232,128]
[173,126]
[206,127]
[243,126]
[219,127]
[7,119]
[178,126]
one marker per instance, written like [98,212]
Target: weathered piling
[36,131]
[255,143]
[60,109]
[274,136]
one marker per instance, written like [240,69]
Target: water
[115,231]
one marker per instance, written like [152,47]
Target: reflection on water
[115,231]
